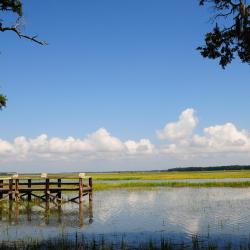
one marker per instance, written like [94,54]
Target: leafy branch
[233,37]
[14,7]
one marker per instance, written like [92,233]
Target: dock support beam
[10,189]
[29,193]
[59,194]
[47,190]
[1,186]
[90,192]
[17,189]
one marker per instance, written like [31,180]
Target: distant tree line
[234,167]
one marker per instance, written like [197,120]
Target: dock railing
[47,187]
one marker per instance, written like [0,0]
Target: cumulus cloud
[181,129]
[142,146]
[221,138]
[224,138]
[97,144]
[216,145]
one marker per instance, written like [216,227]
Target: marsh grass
[136,179]
[104,186]
[154,175]
[78,241]
[171,175]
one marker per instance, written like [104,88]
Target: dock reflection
[49,214]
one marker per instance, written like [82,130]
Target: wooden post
[1,186]
[29,192]
[10,189]
[91,186]
[47,189]
[59,193]
[1,213]
[80,190]
[16,189]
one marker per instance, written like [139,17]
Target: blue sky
[130,67]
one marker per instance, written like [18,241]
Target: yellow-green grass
[129,185]
[154,175]
[171,175]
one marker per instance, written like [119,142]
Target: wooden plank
[50,183]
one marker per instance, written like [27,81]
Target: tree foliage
[230,36]
[3,101]
[14,7]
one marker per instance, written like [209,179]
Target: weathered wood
[1,186]
[18,187]
[47,190]
[42,183]
[37,196]
[10,189]
[91,187]
[59,193]
[80,190]
[29,193]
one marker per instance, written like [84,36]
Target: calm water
[177,213]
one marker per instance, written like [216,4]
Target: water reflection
[37,213]
[175,212]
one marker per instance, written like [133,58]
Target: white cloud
[181,129]
[143,146]
[5,147]
[215,139]
[216,145]
[99,144]
[222,138]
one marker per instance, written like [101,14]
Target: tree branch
[21,35]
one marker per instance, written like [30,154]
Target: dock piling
[1,186]
[17,189]
[91,187]
[59,193]
[80,190]
[10,189]
[29,191]
[47,192]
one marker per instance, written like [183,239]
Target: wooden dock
[46,187]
